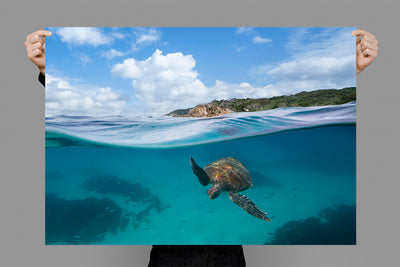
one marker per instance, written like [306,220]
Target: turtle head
[214,192]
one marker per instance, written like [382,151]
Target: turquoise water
[122,180]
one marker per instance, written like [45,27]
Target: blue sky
[151,71]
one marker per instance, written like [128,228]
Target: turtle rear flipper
[248,205]
[200,173]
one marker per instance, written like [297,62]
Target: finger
[38,35]
[365,52]
[370,53]
[30,35]
[373,54]
[369,43]
[37,45]
[30,46]
[34,39]
[359,32]
[43,33]
[365,44]
[35,53]
[34,46]
[44,43]
[366,36]
[370,38]
[358,45]
[33,34]
[359,51]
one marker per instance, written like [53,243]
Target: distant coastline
[321,97]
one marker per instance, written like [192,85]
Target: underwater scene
[118,180]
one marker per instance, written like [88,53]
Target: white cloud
[306,42]
[319,60]
[82,58]
[313,68]
[167,82]
[314,73]
[134,47]
[148,36]
[109,100]
[238,48]
[112,53]
[83,36]
[56,82]
[250,32]
[245,30]
[260,40]
[163,81]
[64,99]
[118,35]
[145,37]
[128,69]
[223,90]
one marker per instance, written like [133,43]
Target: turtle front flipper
[248,205]
[200,173]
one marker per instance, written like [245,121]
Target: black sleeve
[42,79]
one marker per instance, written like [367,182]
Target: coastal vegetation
[321,97]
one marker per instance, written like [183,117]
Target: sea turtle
[228,174]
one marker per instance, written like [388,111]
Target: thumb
[45,34]
[358,39]
[43,46]
[358,45]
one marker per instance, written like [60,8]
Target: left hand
[35,48]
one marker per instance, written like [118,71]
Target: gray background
[22,124]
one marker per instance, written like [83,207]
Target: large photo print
[200,136]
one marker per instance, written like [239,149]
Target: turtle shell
[230,173]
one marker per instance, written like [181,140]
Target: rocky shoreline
[203,110]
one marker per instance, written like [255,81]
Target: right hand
[36,49]
[366,49]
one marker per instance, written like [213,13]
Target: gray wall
[22,124]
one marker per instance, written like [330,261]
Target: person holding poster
[200,255]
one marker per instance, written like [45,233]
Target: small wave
[169,131]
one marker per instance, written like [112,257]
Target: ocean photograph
[200,136]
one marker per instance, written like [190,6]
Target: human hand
[366,49]
[35,48]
